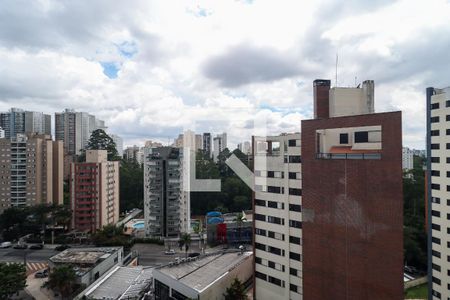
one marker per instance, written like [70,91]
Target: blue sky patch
[110,69]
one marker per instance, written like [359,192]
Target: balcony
[348,156]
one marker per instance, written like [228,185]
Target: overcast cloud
[151,69]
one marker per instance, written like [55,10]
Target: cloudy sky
[151,69]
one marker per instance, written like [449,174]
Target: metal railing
[348,155]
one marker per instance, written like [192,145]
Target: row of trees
[19,221]
[235,194]
[414,231]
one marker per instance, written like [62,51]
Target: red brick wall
[353,216]
[321,98]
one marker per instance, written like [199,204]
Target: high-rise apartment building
[407,158]
[166,203]
[207,143]
[220,143]
[18,121]
[94,191]
[352,199]
[119,144]
[75,129]
[438,187]
[245,147]
[31,169]
[277,217]
[189,139]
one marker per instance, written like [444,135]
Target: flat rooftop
[200,273]
[84,256]
[122,283]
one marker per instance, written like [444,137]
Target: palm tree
[62,279]
[186,241]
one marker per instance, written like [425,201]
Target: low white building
[205,278]
[89,263]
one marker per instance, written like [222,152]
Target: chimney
[321,98]
[369,94]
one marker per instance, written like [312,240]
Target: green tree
[131,185]
[185,240]
[236,291]
[100,140]
[414,232]
[62,279]
[239,220]
[12,279]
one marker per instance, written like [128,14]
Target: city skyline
[136,63]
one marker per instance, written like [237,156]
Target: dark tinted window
[361,137]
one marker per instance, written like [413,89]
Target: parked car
[170,252]
[36,247]
[62,247]
[194,254]
[20,246]
[41,274]
[5,245]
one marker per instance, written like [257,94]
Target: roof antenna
[336,82]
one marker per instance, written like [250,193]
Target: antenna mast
[336,82]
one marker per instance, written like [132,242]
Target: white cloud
[51,54]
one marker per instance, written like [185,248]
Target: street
[153,255]
[17,255]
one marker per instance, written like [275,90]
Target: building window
[260,217]
[260,202]
[436,227]
[294,143]
[294,272]
[295,240]
[448,188]
[294,175]
[436,146]
[274,189]
[361,137]
[435,186]
[276,235]
[260,246]
[275,220]
[436,294]
[295,159]
[436,240]
[276,281]
[275,250]
[447,131]
[435,160]
[295,224]
[259,231]
[295,207]
[293,288]
[343,138]
[295,192]
[261,275]
[434,132]
[435,173]
[434,120]
[437,200]
[295,256]
[436,253]
[436,280]
[435,105]
[436,267]
[447,118]
[273,204]
[436,213]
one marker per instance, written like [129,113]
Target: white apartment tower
[407,158]
[75,129]
[438,188]
[219,143]
[166,203]
[278,219]
[119,143]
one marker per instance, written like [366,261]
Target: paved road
[17,255]
[153,255]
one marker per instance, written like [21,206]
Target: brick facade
[353,215]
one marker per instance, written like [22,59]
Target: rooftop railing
[348,155]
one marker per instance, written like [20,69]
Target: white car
[170,252]
[5,245]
